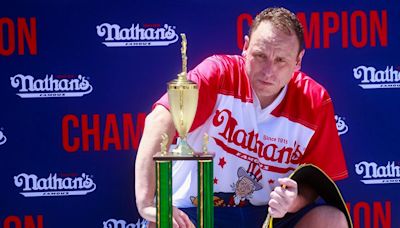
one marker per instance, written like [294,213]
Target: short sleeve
[325,149]
[207,75]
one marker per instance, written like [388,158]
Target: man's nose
[268,69]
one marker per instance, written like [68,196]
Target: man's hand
[282,198]
[180,220]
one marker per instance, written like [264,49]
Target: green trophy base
[205,178]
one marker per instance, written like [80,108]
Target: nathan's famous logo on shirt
[267,149]
[3,138]
[33,186]
[137,35]
[373,173]
[114,223]
[341,125]
[51,86]
[372,78]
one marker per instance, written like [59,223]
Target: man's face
[271,58]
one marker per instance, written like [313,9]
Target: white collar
[262,114]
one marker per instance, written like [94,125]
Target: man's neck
[266,101]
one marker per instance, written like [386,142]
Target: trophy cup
[183,95]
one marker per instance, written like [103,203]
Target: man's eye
[279,60]
[261,56]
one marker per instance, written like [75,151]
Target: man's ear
[246,45]
[299,59]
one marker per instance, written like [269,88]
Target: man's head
[283,20]
[273,51]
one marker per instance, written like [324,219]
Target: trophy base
[199,156]
[164,192]
[183,149]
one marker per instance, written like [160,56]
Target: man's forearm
[159,121]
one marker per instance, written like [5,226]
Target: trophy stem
[183,147]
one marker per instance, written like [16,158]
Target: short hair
[282,19]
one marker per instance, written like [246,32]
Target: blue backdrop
[78,77]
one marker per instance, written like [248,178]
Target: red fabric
[306,102]
[324,149]
[215,75]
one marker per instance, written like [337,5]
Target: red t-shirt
[297,127]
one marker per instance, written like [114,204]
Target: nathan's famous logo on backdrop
[372,78]
[114,223]
[137,35]
[3,138]
[373,173]
[102,132]
[371,214]
[14,34]
[54,185]
[354,29]
[51,86]
[31,221]
[341,125]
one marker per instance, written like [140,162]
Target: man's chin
[267,94]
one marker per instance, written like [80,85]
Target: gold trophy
[183,95]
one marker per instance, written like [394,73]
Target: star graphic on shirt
[271,181]
[215,180]
[222,162]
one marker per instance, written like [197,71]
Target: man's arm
[159,121]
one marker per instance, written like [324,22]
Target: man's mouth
[267,83]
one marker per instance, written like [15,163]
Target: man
[260,112]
